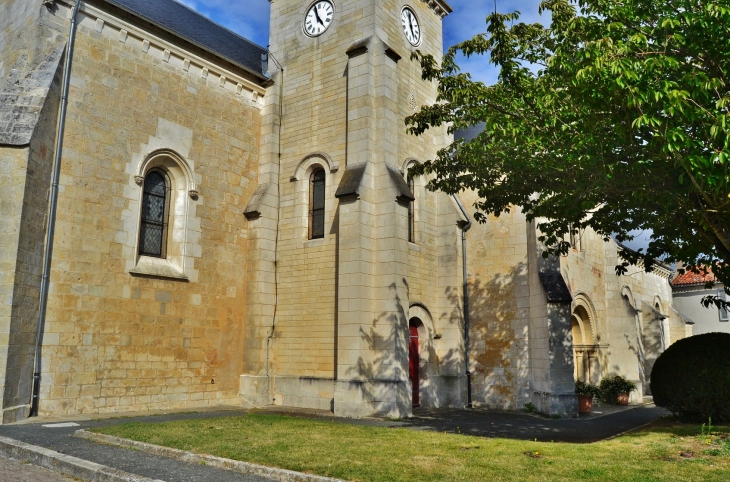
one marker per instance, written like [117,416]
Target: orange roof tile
[692,278]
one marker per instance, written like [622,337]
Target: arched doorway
[414,360]
[585,351]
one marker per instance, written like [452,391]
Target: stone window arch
[306,204]
[166,244]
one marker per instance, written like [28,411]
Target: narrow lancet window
[155,212]
[411,215]
[316,204]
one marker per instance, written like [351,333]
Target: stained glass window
[153,228]
[316,204]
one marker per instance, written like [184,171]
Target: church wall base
[369,398]
[443,391]
[304,392]
[642,389]
[254,391]
[562,404]
[14,414]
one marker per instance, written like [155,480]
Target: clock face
[319,17]
[410,26]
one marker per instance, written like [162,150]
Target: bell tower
[327,307]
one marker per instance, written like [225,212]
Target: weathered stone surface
[22,100]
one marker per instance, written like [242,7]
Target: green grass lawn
[661,452]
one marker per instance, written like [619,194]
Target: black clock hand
[316,14]
[410,22]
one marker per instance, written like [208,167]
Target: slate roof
[691,278]
[189,25]
[351,179]
[555,288]
[470,133]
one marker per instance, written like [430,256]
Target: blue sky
[250,18]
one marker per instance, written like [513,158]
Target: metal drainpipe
[52,212]
[464,229]
[278,219]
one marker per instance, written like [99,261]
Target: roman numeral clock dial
[318,18]
[410,26]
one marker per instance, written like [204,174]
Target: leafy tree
[614,118]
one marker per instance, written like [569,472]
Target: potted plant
[616,390]
[586,392]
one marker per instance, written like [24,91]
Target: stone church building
[236,226]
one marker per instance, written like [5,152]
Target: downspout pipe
[464,228]
[45,280]
[278,218]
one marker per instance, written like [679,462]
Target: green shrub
[587,389]
[692,378]
[611,388]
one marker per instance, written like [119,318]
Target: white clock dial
[319,17]
[410,26]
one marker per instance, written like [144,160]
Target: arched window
[155,215]
[411,214]
[316,204]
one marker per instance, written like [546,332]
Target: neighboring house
[689,288]
[227,235]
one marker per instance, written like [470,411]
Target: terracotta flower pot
[585,403]
[622,399]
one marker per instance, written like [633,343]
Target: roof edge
[441,8]
[263,78]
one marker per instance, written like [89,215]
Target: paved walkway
[531,427]
[474,422]
[15,471]
[606,421]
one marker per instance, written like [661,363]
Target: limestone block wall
[13,163]
[629,332]
[338,111]
[499,310]
[435,297]
[117,342]
[25,212]
[18,39]
[314,118]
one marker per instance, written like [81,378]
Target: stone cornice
[149,43]
[441,8]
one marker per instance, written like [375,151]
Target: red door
[413,363]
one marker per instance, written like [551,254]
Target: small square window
[724,313]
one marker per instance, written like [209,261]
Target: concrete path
[14,471]
[472,422]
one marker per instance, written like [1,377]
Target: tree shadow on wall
[387,345]
[386,341]
[498,342]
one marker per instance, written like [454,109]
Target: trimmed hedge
[692,378]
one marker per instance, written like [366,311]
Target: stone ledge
[14,414]
[157,268]
[247,468]
[66,464]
